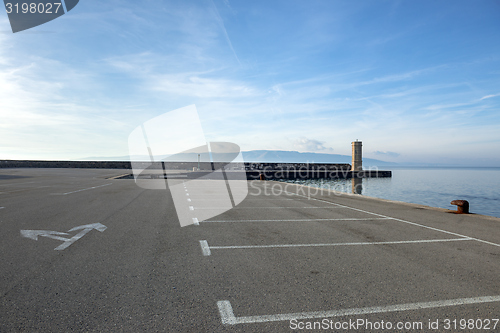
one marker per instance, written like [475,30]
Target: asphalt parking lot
[285,259]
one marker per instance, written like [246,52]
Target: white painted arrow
[84,229]
[33,234]
[97,226]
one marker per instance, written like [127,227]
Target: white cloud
[220,21]
[147,73]
[43,116]
[387,153]
[489,96]
[304,144]
[185,84]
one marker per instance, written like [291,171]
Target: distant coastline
[265,156]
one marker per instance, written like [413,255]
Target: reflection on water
[426,186]
[357,185]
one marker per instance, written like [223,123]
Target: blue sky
[416,81]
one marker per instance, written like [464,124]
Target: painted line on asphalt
[248,198]
[2,207]
[211,195]
[404,221]
[73,239]
[84,229]
[85,189]
[24,189]
[120,176]
[421,241]
[228,317]
[302,220]
[276,199]
[261,207]
[224,198]
[18,183]
[447,232]
[205,249]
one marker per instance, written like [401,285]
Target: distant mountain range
[268,156]
[297,157]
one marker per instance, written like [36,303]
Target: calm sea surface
[434,187]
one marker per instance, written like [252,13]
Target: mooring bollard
[462,206]
[262,177]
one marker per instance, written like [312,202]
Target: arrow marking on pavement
[84,229]
[33,234]
[97,226]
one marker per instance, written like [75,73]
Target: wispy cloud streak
[220,21]
[489,96]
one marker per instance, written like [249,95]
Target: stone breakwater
[65,164]
[171,165]
[253,170]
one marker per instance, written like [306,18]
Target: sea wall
[172,165]
[65,164]
[253,170]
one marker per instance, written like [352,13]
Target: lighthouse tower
[357,156]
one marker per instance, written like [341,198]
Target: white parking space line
[261,207]
[85,189]
[119,176]
[276,199]
[228,317]
[302,220]
[223,199]
[404,221]
[205,249]
[2,207]
[17,183]
[210,195]
[248,199]
[24,189]
[326,244]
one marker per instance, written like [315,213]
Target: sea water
[435,187]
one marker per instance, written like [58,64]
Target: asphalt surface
[282,259]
